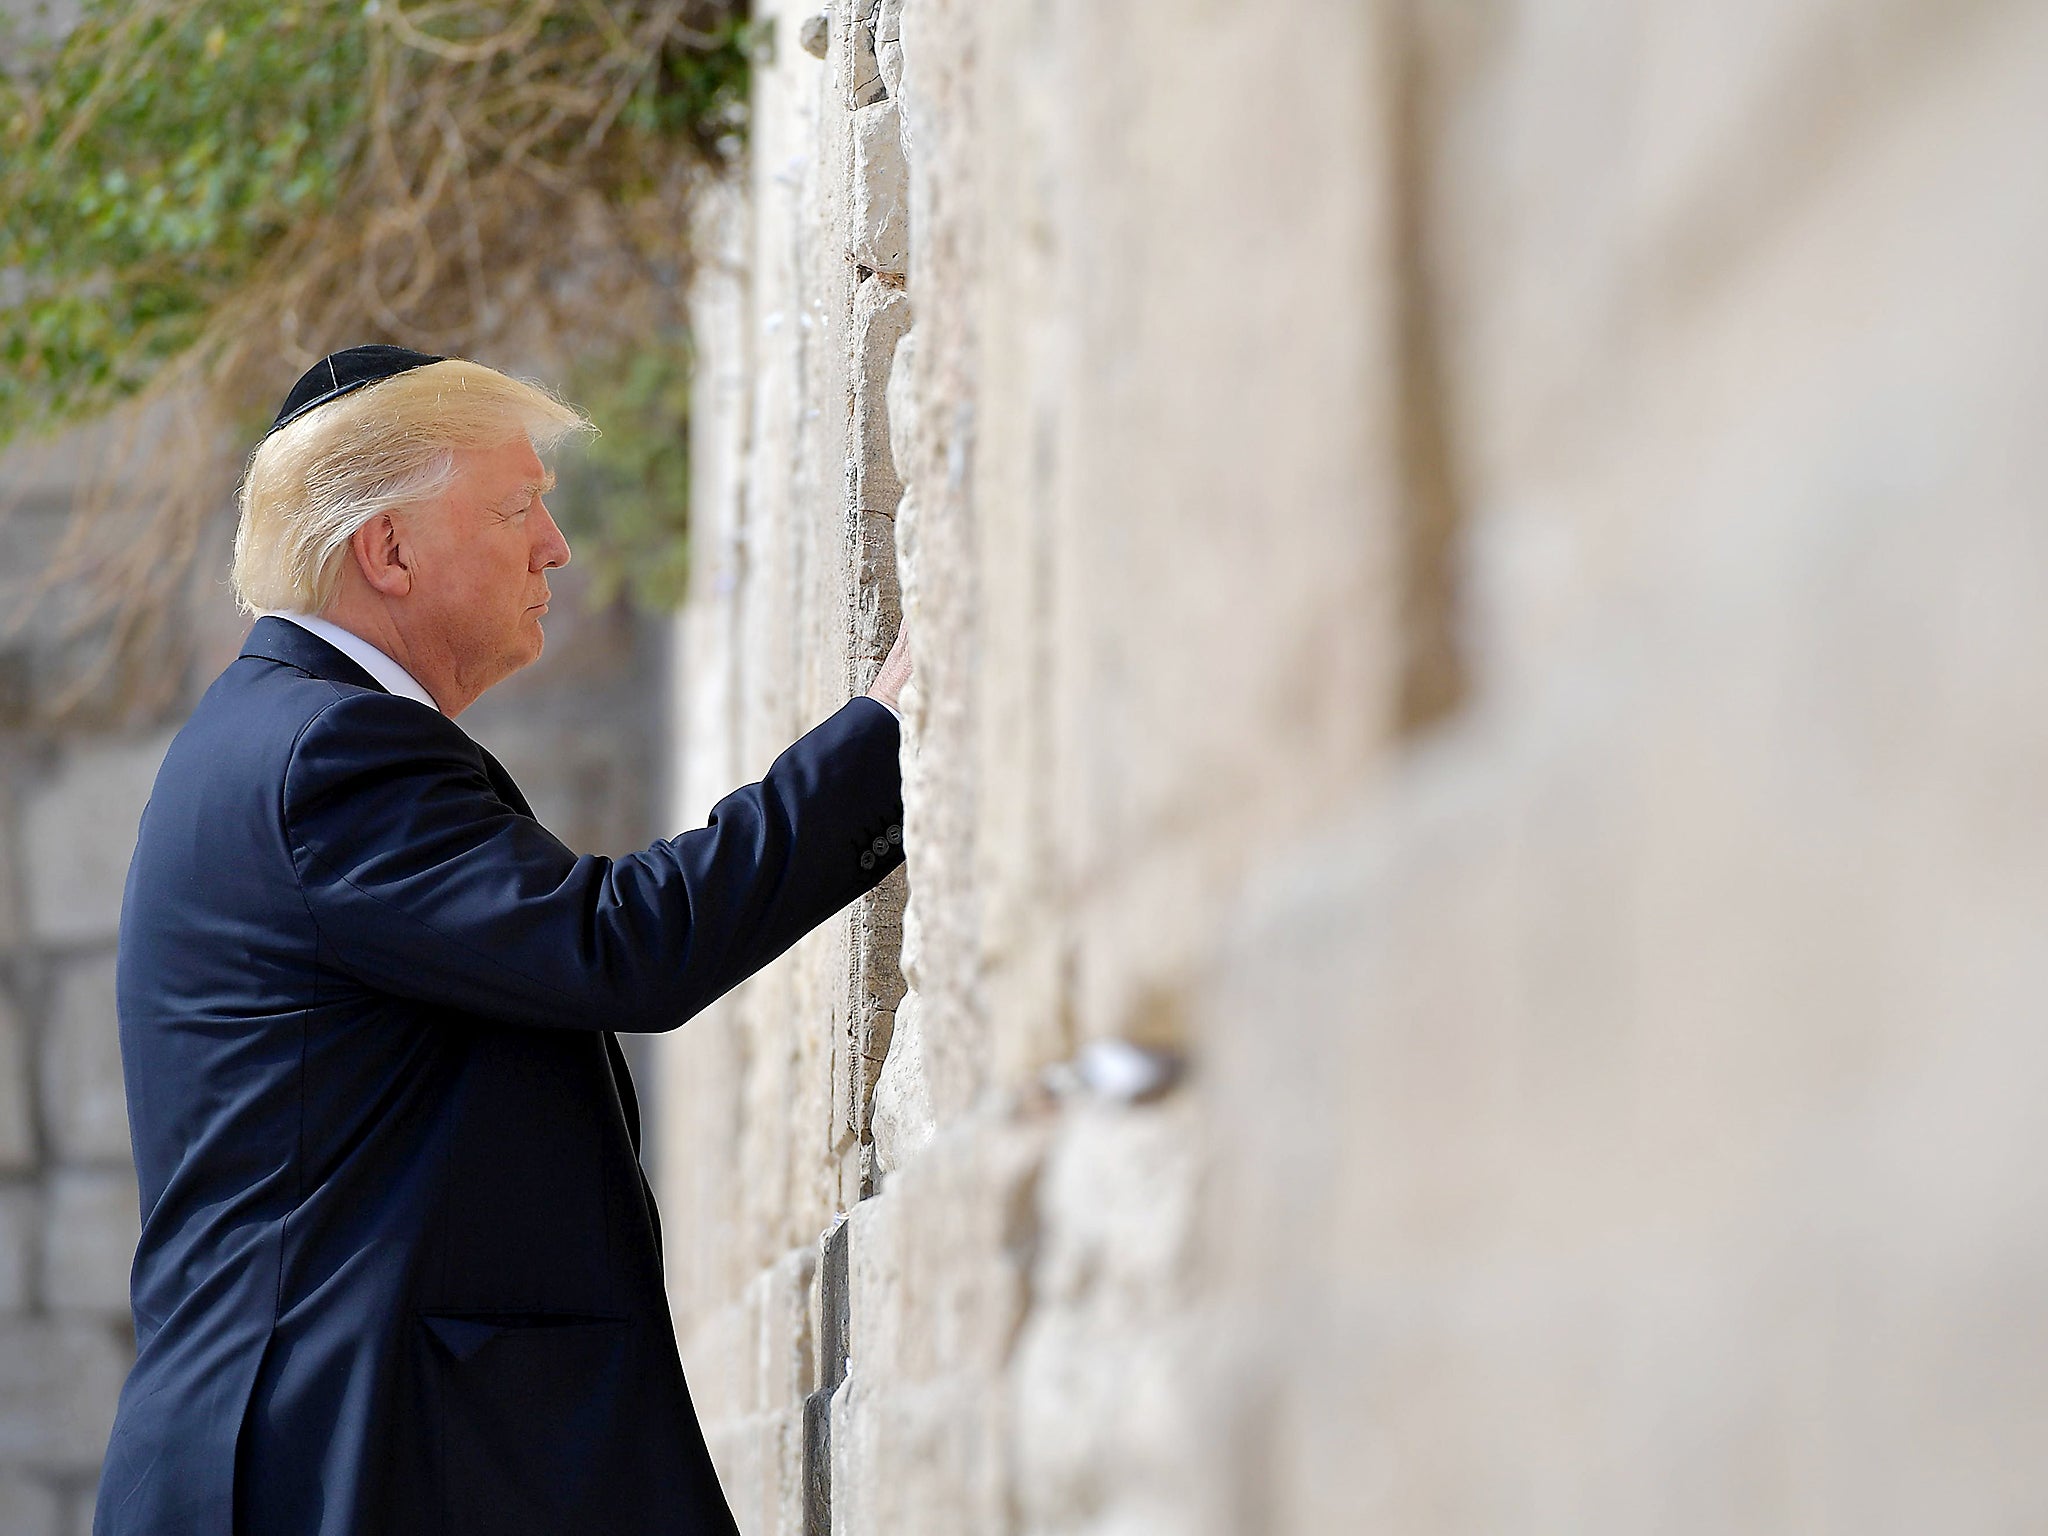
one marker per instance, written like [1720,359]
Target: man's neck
[388,663]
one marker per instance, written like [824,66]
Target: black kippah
[344,372]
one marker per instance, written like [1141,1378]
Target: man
[399,1271]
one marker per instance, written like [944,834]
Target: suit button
[867,859]
[881,846]
[896,835]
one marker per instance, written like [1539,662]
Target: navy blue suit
[399,1270]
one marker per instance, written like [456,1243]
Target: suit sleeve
[424,884]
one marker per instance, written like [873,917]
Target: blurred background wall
[1471,958]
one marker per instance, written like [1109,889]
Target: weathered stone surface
[901,1120]
[30,1507]
[889,44]
[91,1223]
[881,315]
[1581,1073]
[878,217]
[863,73]
[80,835]
[11,896]
[17,1112]
[20,1238]
[84,1105]
[814,34]
[58,1384]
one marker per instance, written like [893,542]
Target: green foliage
[164,157]
[625,496]
[151,160]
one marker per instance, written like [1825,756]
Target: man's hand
[888,688]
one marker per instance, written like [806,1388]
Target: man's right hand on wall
[888,687]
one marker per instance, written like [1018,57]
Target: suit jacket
[399,1271]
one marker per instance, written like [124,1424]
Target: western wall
[1470,954]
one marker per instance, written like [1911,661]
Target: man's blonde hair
[388,446]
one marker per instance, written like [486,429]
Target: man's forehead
[512,472]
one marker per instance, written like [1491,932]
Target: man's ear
[382,556]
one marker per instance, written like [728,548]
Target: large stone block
[785,1363]
[92,1221]
[878,606]
[878,213]
[918,1460]
[11,916]
[17,1112]
[30,1507]
[881,316]
[79,836]
[59,1381]
[900,1117]
[84,1105]
[20,1237]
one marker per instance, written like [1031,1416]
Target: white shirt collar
[365,655]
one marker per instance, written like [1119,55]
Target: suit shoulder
[360,735]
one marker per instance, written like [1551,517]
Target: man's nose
[550,549]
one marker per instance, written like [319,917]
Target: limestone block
[904,421]
[877,990]
[878,218]
[784,1362]
[1108,1415]
[863,71]
[1117,1205]
[879,956]
[878,602]
[719,1352]
[79,835]
[59,1380]
[889,43]
[747,1472]
[814,34]
[902,403]
[902,1121]
[923,1460]
[91,1224]
[84,1106]
[940,1261]
[20,1221]
[29,1507]
[17,1115]
[881,316]
[10,858]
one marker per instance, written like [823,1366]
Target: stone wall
[1474,792]
[70,795]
